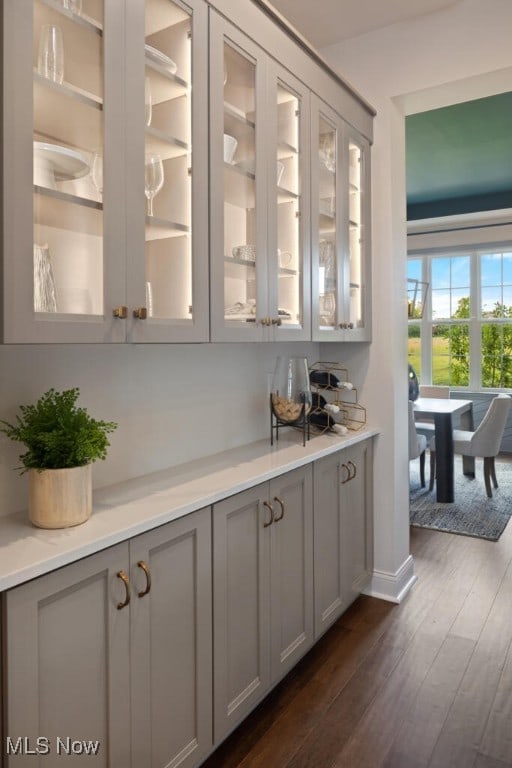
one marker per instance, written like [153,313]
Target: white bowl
[230,145]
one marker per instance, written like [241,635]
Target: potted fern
[62,442]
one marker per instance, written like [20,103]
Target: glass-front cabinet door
[166,94]
[105,169]
[341,289]
[60,232]
[258,247]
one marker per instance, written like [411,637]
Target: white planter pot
[60,498]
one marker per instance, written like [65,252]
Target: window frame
[475,322]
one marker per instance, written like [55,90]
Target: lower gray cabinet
[343,531]
[110,657]
[263,591]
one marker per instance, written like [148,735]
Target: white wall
[438,59]
[173,402]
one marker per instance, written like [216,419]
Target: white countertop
[128,509]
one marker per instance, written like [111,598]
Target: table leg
[467,423]
[444,457]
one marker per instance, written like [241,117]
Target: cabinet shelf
[161,229]
[237,117]
[168,147]
[161,14]
[62,210]
[286,195]
[81,19]
[239,269]
[79,123]
[239,186]
[164,85]
[285,150]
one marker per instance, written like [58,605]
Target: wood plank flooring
[424,684]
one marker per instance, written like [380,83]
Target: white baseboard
[392,586]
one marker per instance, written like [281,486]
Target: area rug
[472,513]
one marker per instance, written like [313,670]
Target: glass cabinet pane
[327,225]
[168,161]
[68,152]
[239,144]
[288,208]
[355,156]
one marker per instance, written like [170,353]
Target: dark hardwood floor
[427,683]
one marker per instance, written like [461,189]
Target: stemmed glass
[153,178]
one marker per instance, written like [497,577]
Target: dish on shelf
[53,162]
[244,252]
[230,145]
[160,58]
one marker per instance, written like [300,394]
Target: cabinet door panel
[60,121]
[167,106]
[356,503]
[288,253]
[343,506]
[241,546]
[171,643]
[67,647]
[328,538]
[340,204]
[239,185]
[292,569]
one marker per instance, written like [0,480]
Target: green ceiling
[459,158]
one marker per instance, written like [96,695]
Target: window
[464,338]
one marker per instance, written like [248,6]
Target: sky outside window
[450,284]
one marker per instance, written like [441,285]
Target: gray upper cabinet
[259,155]
[105,157]
[116,649]
[167,179]
[341,271]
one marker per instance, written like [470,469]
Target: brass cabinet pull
[351,464]
[124,578]
[277,321]
[120,312]
[348,477]
[140,313]
[143,566]
[281,504]
[269,507]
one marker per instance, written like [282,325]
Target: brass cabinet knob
[276,321]
[124,578]
[120,312]
[140,313]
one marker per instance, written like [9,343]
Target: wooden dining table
[442,410]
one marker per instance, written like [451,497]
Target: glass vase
[291,392]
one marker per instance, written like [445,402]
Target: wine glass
[97,172]
[153,178]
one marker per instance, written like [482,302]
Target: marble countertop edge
[127,509]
